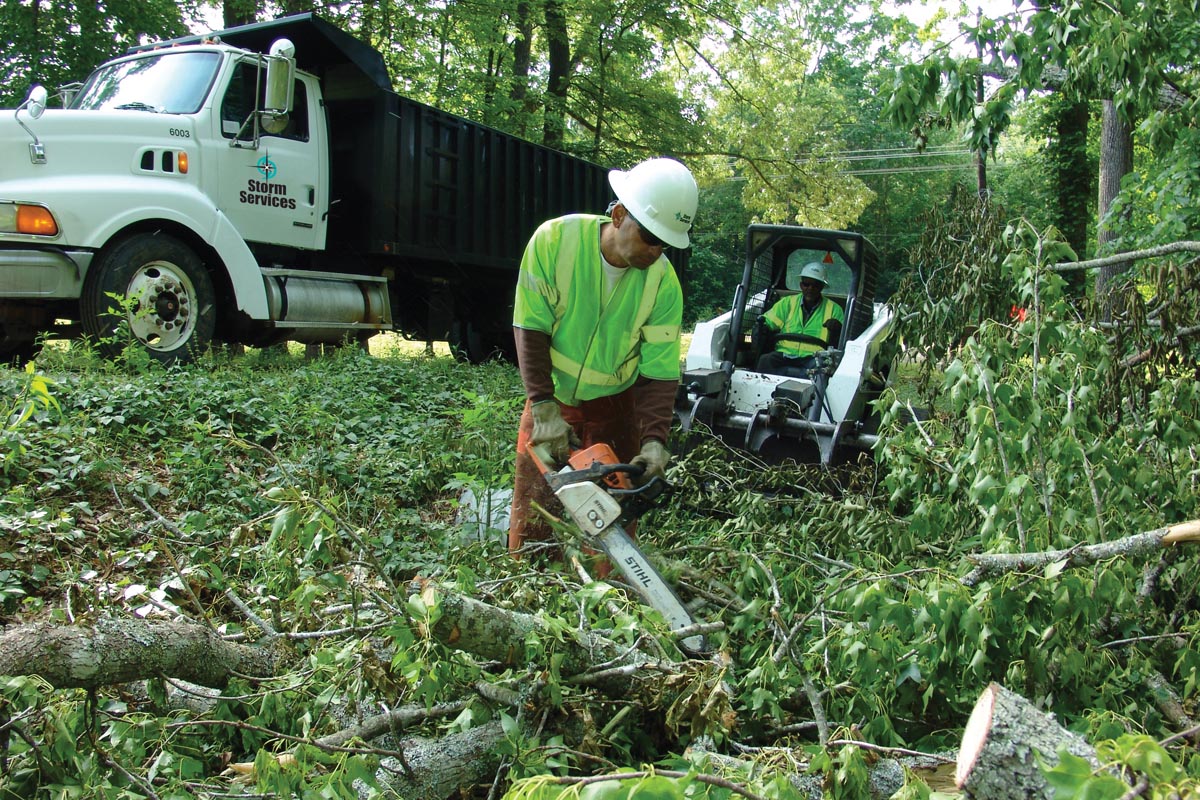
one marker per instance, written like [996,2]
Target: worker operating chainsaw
[596,321]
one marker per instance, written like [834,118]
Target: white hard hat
[815,270]
[661,195]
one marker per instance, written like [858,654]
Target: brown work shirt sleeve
[655,407]
[533,361]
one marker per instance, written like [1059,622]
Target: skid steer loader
[825,415]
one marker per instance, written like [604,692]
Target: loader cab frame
[775,254]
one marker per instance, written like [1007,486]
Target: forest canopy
[812,113]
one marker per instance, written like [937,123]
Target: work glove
[654,457]
[551,430]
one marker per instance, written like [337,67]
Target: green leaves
[1139,758]
[63,43]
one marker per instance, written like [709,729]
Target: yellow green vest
[787,316]
[597,352]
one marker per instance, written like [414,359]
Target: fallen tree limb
[428,769]
[886,776]
[1169,703]
[1139,544]
[699,777]
[389,722]
[498,634]
[1132,255]
[406,716]
[113,651]
[437,769]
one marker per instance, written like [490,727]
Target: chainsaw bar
[598,515]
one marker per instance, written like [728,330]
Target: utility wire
[918,168]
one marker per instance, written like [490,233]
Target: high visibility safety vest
[597,349]
[787,316]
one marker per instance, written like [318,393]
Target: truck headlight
[28,219]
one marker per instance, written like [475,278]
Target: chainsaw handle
[599,471]
[650,489]
[546,464]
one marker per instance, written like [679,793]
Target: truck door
[273,193]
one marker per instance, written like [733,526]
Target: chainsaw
[599,497]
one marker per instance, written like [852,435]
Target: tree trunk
[35,19]
[1004,737]
[558,50]
[601,104]
[981,184]
[1116,161]
[117,651]
[522,55]
[297,6]
[239,12]
[1072,178]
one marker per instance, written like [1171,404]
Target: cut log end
[1006,741]
[1183,532]
[975,734]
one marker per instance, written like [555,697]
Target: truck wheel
[166,293]
[466,345]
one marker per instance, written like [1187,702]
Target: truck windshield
[165,82]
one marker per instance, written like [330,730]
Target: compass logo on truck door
[266,166]
[265,192]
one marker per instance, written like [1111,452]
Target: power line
[917,168]
[892,156]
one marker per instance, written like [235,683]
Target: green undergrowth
[296,502]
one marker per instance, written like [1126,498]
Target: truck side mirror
[35,106]
[35,103]
[281,81]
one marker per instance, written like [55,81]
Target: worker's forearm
[655,407]
[533,360]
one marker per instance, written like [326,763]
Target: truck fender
[183,204]
[248,288]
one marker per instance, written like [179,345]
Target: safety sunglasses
[811,284]
[647,237]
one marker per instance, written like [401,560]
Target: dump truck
[265,183]
[824,415]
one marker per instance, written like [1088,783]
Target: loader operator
[596,321]
[816,318]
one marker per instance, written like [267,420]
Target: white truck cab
[164,160]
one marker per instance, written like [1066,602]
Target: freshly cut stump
[997,758]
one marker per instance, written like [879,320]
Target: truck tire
[477,344]
[466,345]
[167,293]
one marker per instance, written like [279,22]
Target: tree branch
[1133,255]
[1136,545]
[114,651]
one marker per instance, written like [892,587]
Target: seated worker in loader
[804,324]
